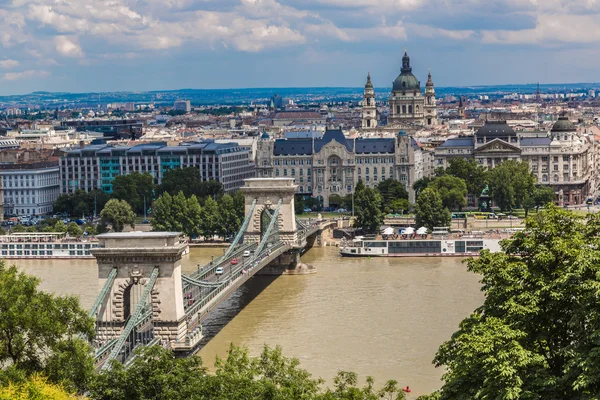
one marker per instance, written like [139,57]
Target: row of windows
[41,253]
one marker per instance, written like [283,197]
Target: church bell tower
[430,103]
[369,110]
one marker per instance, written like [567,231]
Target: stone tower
[430,103]
[369,110]
[461,109]
[407,103]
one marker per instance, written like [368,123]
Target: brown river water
[383,317]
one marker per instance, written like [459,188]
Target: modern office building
[96,166]
[329,167]
[562,159]
[182,105]
[29,188]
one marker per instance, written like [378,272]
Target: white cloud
[9,64]
[550,29]
[68,47]
[13,76]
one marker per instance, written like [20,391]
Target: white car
[247,253]
[219,271]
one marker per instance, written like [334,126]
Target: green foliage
[536,335]
[511,184]
[2,231]
[59,227]
[299,204]
[391,190]
[19,228]
[367,204]
[470,171]
[239,204]
[452,190]
[34,388]
[543,195]
[421,185]
[156,374]
[187,180]
[399,206]
[210,220]
[74,230]
[230,221]
[132,188]
[38,331]
[430,211]
[80,202]
[118,213]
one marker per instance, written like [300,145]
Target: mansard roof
[458,142]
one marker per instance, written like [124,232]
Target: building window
[403,109]
[410,109]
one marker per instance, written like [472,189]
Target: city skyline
[105,46]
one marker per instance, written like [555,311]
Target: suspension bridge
[146,300]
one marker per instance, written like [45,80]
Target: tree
[177,214]
[230,221]
[59,227]
[189,182]
[470,171]
[535,336]
[421,185]
[34,388]
[210,220]
[80,203]
[118,213]
[543,195]
[390,191]
[239,204]
[299,204]
[39,332]
[157,374]
[133,188]
[19,228]
[74,230]
[367,204]
[511,184]
[430,211]
[399,206]
[452,190]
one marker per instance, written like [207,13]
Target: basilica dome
[406,81]
[563,125]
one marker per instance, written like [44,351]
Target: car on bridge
[234,261]
[246,253]
[219,271]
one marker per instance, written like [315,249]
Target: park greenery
[536,334]
[179,213]
[118,214]
[430,210]
[44,355]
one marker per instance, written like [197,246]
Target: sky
[138,45]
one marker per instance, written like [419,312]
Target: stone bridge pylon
[130,264]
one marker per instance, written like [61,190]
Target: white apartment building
[30,188]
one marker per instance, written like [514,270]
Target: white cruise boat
[45,245]
[419,244]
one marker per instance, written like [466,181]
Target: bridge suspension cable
[196,282]
[240,233]
[105,289]
[267,234]
[133,320]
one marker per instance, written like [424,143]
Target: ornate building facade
[409,107]
[407,102]
[329,168]
[562,159]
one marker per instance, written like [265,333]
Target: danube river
[383,317]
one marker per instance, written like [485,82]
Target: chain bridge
[145,299]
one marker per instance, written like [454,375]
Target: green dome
[563,125]
[406,80]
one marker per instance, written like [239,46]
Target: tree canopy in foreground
[537,334]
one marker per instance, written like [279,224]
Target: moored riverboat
[45,245]
[440,244]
